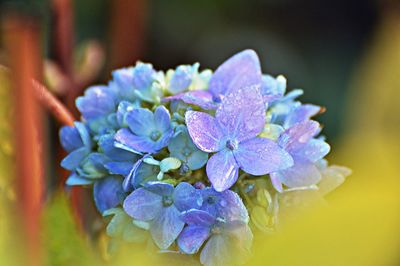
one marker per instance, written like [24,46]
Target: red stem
[48,100]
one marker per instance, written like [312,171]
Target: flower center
[186,152]
[184,169]
[211,200]
[232,144]
[155,135]
[167,201]
[217,98]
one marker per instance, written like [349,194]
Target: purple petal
[133,142]
[198,217]
[201,98]
[227,205]
[222,170]
[241,231]
[204,131]
[276,182]
[140,121]
[143,205]
[241,70]
[166,227]
[218,251]
[232,207]
[260,156]
[302,173]
[300,114]
[192,237]
[299,134]
[162,119]
[186,197]
[107,193]
[242,113]
[314,150]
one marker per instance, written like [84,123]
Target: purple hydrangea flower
[228,242]
[232,134]
[161,204]
[147,133]
[227,205]
[306,150]
[241,70]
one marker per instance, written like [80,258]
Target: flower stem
[57,109]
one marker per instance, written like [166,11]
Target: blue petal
[162,119]
[97,101]
[106,145]
[74,159]
[273,88]
[107,193]
[163,141]
[134,142]
[160,188]
[227,205]
[119,168]
[143,204]
[93,166]
[192,238]
[143,76]
[143,174]
[197,160]
[123,83]
[182,78]
[84,133]
[186,197]
[241,70]
[124,108]
[128,183]
[222,170]
[166,227]
[141,121]
[76,180]
[70,138]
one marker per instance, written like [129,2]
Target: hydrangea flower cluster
[196,160]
